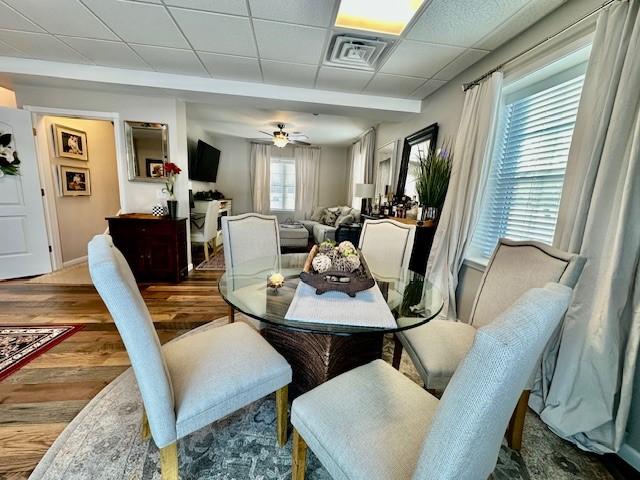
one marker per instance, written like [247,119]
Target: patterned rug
[215,262]
[19,345]
[104,442]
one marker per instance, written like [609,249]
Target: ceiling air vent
[356,52]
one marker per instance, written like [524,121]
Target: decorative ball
[321,263]
[342,265]
[353,261]
[276,280]
[327,246]
[346,248]
[333,254]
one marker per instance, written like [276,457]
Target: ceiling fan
[281,138]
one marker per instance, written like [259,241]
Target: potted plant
[9,163]
[432,180]
[171,171]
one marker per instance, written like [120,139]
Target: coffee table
[319,351]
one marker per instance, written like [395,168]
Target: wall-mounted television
[204,163]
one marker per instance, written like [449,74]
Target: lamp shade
[364,190]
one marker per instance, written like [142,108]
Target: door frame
[47,182]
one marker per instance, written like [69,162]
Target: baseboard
[630,455]
[75,261]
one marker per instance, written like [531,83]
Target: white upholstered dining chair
[437,348]
[195,379]
[250,239]
[387,245]
[373,422]
[209,230]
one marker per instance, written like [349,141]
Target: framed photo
[74,181]
[155,168]
[70,143]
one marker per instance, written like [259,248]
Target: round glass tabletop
[411,300]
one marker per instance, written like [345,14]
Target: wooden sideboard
[155,247]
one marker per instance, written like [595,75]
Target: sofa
[324,221]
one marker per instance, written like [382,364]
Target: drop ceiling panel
[171,60]
[393,85]
[70,18]
[103,52]
[428,88]
[214,32]
[41,46]
[318,13]
[529,14]
[11,19]
[293,43]
[234,7]
[231,67]
[139,22]
[340,79]
[419,59]
[460,64]
[462,22]
[292,74]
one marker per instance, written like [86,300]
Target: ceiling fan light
[280,141]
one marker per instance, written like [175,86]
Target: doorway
[79,168]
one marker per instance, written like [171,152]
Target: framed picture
[155,168]
[74,181]
[70,143]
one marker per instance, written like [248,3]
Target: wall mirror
[415,145]
[385,167]
[147,150]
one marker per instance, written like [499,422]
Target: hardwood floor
[40,399]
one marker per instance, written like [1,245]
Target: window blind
[283,184]
[527,170]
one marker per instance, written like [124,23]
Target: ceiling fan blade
[266,133]
[301,135]
[299,142]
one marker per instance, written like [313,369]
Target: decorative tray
[330,278]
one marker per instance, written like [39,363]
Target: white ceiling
[321,129]
[280,42]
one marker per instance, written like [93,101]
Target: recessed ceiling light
[383,16]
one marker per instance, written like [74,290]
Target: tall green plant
[432,176]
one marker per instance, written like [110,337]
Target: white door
[24,247]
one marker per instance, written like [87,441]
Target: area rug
[19,345]
[104,442]
[74,275]
[215,262]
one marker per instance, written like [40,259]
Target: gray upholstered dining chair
[195,379]
[387,245]
[373,422]
[250,237]
[209,229]
[437,348]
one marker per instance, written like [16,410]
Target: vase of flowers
[171,171]
[432,180]
[9,163]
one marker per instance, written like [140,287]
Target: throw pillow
[329,217]
[345,210]
[343,219]
[316,216]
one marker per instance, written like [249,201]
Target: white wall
[82,217]
[135,196]
[333,172]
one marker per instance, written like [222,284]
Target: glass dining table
[319,350]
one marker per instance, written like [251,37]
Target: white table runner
[367,309]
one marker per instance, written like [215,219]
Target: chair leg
[397,352]
[516,424]
[299,456]
[145,431]
[169,462]
[232,314]
[282,408]
[205,245]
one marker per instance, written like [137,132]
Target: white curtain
[361,164]
[307,177]
[260,177]
[460,212]
[587,384]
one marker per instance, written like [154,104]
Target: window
[526,175]
[283,184]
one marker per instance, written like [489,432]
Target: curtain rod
[466,86]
